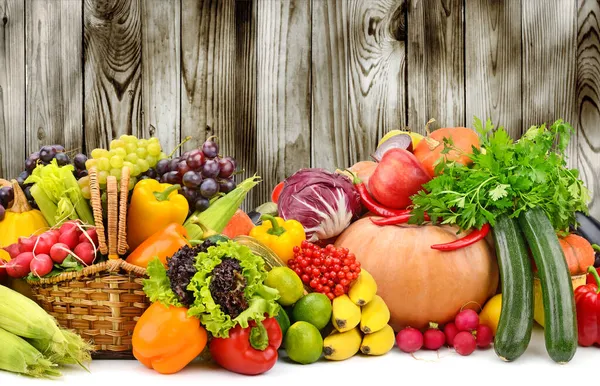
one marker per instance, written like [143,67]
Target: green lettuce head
[227,286]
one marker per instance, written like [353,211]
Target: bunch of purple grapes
[202,173]
[43,157]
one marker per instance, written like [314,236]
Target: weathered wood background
[287,84]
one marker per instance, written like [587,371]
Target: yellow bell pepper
[153,207]
[19,221]
[279,235]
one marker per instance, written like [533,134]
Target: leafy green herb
[505,177]
[69,264]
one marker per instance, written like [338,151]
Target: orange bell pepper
[161,244]
[166,339]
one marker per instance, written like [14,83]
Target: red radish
[485,336]
[41,265]
[409,340]
[53,234]
[19,266]
[433,338]
[83,238]
[59,252]
[467,320]
[13,250]
[450,332]
[26,244]
[3,273]
[43,244]
[464,343]
[68,225]
[85,252]
[70,237]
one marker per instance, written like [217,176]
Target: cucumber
[516,319]
[560,329]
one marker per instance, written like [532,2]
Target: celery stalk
[45,203]
[84,212]
[216,217]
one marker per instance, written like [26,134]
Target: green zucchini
[560,329]
[516,318]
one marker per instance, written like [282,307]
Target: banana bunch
[361,321]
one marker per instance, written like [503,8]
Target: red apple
[397,177]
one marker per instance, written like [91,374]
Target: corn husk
[23,317]
[18,356]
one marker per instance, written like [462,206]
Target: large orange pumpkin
[420,284]
[429,150]
[578,253]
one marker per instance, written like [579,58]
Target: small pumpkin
[20,220]
[420,284]
[429,150]
[578,253]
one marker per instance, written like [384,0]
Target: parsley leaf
[506,177]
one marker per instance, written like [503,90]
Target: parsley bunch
[505,177]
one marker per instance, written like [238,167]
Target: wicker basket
[101,303]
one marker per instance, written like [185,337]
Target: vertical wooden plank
[113,55]
[549,68]
[12,88]
[283,98]
[329,69]
[245,94]
[588,98]
[161,49]
[54,74]
[435,63]
[376,72]
[492,63]
[208,54]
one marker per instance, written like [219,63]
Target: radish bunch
[465,334]
[39,254]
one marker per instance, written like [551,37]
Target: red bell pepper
[590,277]
[251,350]
[587,300]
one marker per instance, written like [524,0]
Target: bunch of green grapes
[139,155]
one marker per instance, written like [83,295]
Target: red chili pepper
[401,219]
[251,350]
[370,203]
[469,239]
[587,301]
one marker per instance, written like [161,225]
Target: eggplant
[589,228]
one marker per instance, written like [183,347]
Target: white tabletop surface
[482,368]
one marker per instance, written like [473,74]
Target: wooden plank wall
[287,84]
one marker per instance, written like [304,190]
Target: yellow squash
[20,220]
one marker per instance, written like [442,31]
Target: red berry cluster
[328,270]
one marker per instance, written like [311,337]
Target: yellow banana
[380,342]
[346,315]
[375,316]
[340,346]
[364,289]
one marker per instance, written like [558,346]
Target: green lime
[303,343]
[314,308]
[283,320]
[288,284]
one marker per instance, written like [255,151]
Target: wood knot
[151,130]
[4,20]
[41,133]
[397,23]
[373,23]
